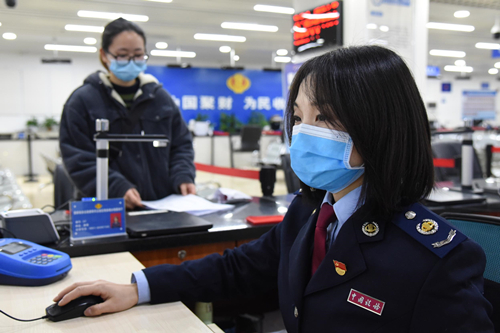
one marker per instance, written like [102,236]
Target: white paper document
[190,203]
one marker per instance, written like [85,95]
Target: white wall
[448,111]
[29,88]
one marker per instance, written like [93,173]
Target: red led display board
[318,27]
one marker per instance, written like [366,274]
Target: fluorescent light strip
[225,49]
[84,28]
[221,38]
[461,13]
[282,59]
[165,53]
[249,26]
[112,16]
[446,53]
[492,71]
[488,46]
[9,35]
[90,41]
[461,69]
[274,9]
[70,48]
[452,27]
[321,16]
[282,52]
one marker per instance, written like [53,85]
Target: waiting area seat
[250,141]
[484,230]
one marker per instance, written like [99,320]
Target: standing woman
[134,103]
[355,252]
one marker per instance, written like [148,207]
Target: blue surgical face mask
[320,158]
[127,72]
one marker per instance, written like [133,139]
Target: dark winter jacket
[156,172]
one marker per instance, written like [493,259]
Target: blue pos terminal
[24,263]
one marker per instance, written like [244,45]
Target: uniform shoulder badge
[429,229]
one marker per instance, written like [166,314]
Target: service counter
[229,230]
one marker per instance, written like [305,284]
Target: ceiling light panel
[83,28]
[161,45]
[9,36]
[461,14]
[165,53]
[447,53]
[450,27]
[225,49]
[488,46]
[221,38]
[274,9]
[282,52]
[460,69]
[282,59]
[70,48]
[492,71]
[112,16]
[90,41]
[249,26]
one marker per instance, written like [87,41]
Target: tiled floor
[41,193]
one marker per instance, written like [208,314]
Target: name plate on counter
[97,219]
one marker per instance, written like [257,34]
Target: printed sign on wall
[479,105]
[210,92]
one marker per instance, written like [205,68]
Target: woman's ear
[102,57]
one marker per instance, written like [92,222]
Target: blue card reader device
[23,263]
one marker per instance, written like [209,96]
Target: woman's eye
[320,117]
[296,120]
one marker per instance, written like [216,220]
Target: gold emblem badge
[98,206]
[340,267]
[370,229]
[427,227]
[410,215]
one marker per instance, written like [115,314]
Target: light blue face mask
[127,72]
[320,158]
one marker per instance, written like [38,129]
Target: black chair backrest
[291,180]
[250,136]
[452,150]
[484,230]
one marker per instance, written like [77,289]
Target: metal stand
[30,177]
[467,157]
[102,139]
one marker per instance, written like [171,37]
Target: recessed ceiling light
[497,65]
[447,53]
[460,62]
[249,26]
[9,36]
[90,40]
[221,38]
[371,26]
[225,49]
[236,57]
[282,59]
[492,71]
[112,16]
[448,26]
[0,24]
[161,45]
[384,28]
[282,52]
[70,48]
[461,13]
[488,46]
[160,0]
[84,28]
[274,9]
[165,53]
[461,69]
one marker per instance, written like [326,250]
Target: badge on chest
[366,302]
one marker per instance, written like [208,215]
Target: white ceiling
[38,22]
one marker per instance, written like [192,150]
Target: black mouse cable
[22,319]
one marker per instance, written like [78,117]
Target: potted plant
[201,126]
[32,124]
[229,123]
[49,123]
[258,119]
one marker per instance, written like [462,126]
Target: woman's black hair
[370,93]
[116,27]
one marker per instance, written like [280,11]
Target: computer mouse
[73,309]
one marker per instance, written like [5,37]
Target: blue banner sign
[96,219]
[209,92]
[495,53]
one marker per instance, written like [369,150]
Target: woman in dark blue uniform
[356,252]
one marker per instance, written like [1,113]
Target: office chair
[250,137]
[453,150]
[484,230]
[291,180]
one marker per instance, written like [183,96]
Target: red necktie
[326,216]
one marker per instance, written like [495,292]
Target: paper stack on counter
[228,195]
[190,203]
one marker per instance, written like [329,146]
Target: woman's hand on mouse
[117,297]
